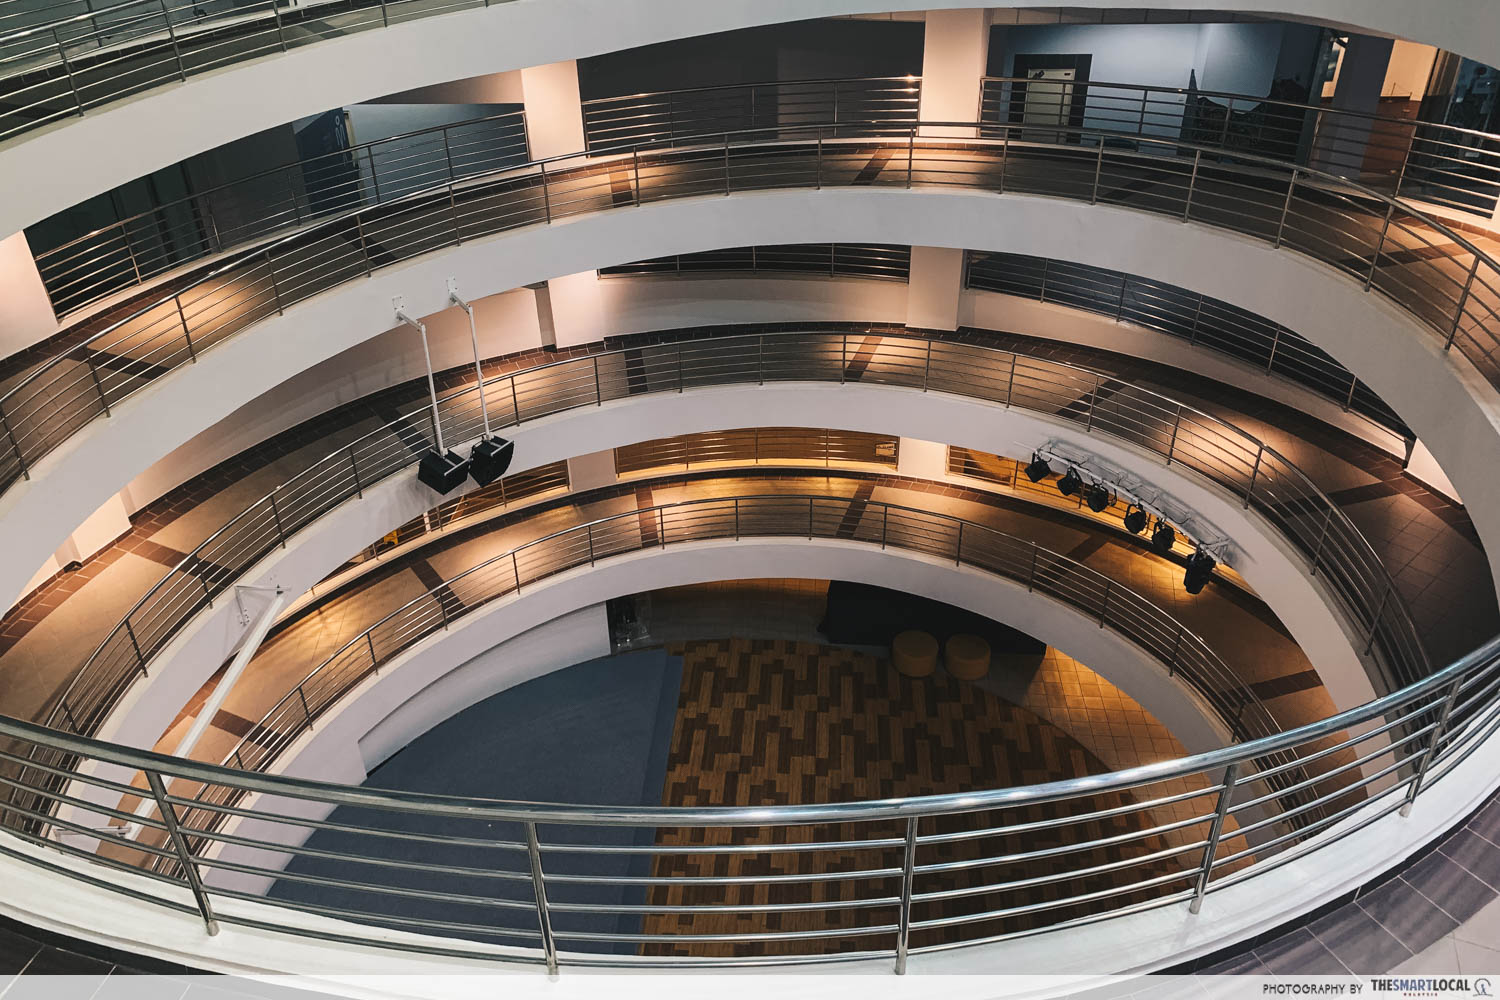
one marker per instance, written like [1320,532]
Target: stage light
[489,460]
[1070,483]
[442,472]
[1135,520]
[1097,497]
[1038,469]
[1200,568]
[1163,538]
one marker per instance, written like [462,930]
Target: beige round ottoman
[914,654]
[967,657]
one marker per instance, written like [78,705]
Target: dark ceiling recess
[803,50]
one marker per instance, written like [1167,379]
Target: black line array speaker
[489,460]
[442,473]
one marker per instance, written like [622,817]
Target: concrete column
[592,471]
[934,288]
[1340,145]
[554,111]
[26,315]
[922,459]
[577,309]
[955,48]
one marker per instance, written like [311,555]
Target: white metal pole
[437,425]
[454,297]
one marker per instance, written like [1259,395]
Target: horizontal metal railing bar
[205,550]
[1357,763]
[987,888]
[1051,852]
[1046,824]
[734,816]
[375,917]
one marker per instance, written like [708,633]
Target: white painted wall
[61,166]
[955,46]
[577,302]
[554,112]
[591,471]
[935,288]
[1450,407]
[26,315]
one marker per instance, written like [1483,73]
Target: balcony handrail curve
[354,150]
[182,574]
[717,87]
[1220,669]
[910,132]
[1275,101]
[896,808]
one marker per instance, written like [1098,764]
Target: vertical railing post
[186,333]
[15,445]
[1380,245]
[140,659]
[1211,849]
[1375,618]
[1031,574]
[1275,343]
[1430,750]
[539,891]
[1187,204]
[275,291]
[818,180]
[911,151]
[306,712]
[280,33]
[958,546]
[598,392]
[927,366]
[1176,425]
[68,71]
[364,249]
[184,856]
[1254,472]
[359,487]
[1286,208]
[1317,551]
[1104,604]
[635,165]
[1463,300]
[726,163]
[908,876]
[166,15]
[810,501]
[1098,172]
[590,528]
[276,516]
[515,403]
[515,568]
[370,642]
[546,193]
[98,386]
[1010,383]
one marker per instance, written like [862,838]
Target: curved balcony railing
[1405,159]
[577,885]
[61,60]
[1433,272]
[150,243]
[1200,320]
[967,543]
[1402,157]
[1179,433]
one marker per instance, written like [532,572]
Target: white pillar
[26,315]
[922,459]
[955,48]
[554,110]
[577,309]
[592,471]
[1340,146]
[934,288]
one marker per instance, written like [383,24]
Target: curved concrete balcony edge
[170,123]
[1270,565]
[1450,406]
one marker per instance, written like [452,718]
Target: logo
[1482,988]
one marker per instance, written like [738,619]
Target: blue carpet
[595,733]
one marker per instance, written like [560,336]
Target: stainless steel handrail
[973,858]
[225,217]
[1178,432]
[146,244]
[1446,164]
[1115,605]
[1444,280]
